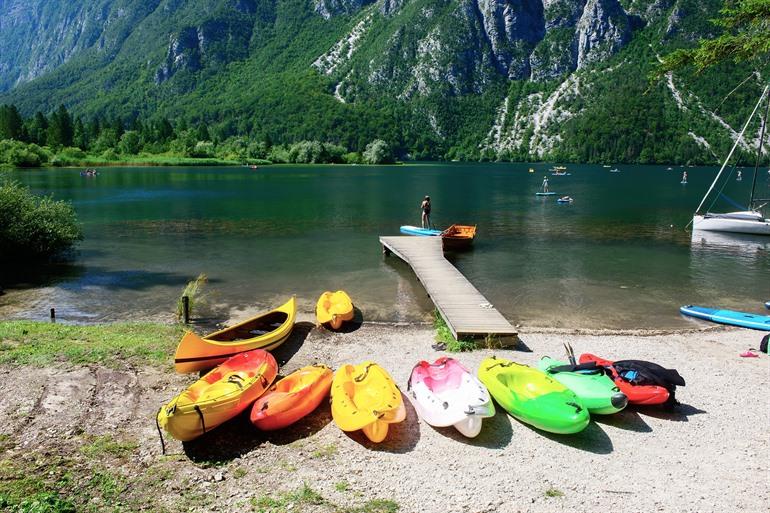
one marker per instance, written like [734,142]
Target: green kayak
[533,397]
[594,388]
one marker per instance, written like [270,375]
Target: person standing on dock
[425,206]
[545,184]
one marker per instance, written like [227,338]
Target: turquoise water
[618,257]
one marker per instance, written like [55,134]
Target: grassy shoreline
[39,343]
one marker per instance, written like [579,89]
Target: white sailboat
[748,221]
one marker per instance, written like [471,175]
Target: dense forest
[60,139]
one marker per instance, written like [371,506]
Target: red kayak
[637,394]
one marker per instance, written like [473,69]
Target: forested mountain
[467,79]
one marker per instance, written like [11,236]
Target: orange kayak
[292,398]
[218,396]
[265,331]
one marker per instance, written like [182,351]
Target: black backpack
[763,344]
[639,372]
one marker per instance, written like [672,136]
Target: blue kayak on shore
[742,319]
[416,230]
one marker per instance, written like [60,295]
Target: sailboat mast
[737,141]
[759,152]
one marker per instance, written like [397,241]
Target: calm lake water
[618,257]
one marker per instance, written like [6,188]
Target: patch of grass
[288,467]
[6,442]
[106,444]
[239,472]
[193,292]
[444,334]
[302,498]
[42,343]
[554,492]
[342,486]
[375,506]
[45,502]
[107,484]
[325,452]
[287,501]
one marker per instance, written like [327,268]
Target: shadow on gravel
[238,436]
[305,427]
[680,413]
[353,324]
[402,437]
[496,432]
[231,440]
[628,419]
[285,351]
[591,439]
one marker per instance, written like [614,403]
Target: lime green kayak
[594,388]
[533,397]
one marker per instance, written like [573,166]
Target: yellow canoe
[265,331]
[366,397]
[334,308]
[219,396]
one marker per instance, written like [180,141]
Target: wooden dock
[465,310]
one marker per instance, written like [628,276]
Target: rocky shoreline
[710,454]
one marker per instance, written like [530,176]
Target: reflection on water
[616,257]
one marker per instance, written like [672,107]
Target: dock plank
[466,311]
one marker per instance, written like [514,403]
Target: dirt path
[711,454]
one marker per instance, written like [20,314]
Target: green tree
[38,129]
[60,128]
[11,123]
[80,136]
[164,132]
[746,37]
[130,143]
[377,152]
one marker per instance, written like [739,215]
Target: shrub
[202,149]
[278,154]
[130,143]
[34,227]
[377,152]
[352,158]
[72,153]
[19,154]
[109,154]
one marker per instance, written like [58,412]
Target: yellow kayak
[334,308]
[366,397]
[219,396]
[265,331]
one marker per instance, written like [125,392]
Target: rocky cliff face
[41,35]
[466,46]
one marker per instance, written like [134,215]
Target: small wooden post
[53,315]
[186,309]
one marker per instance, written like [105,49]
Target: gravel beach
[710,454]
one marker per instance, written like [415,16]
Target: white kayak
[445,393]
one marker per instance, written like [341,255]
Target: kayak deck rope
[160,433]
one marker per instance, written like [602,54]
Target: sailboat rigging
[748,221]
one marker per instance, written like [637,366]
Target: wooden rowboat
[458,236]
[265,331]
